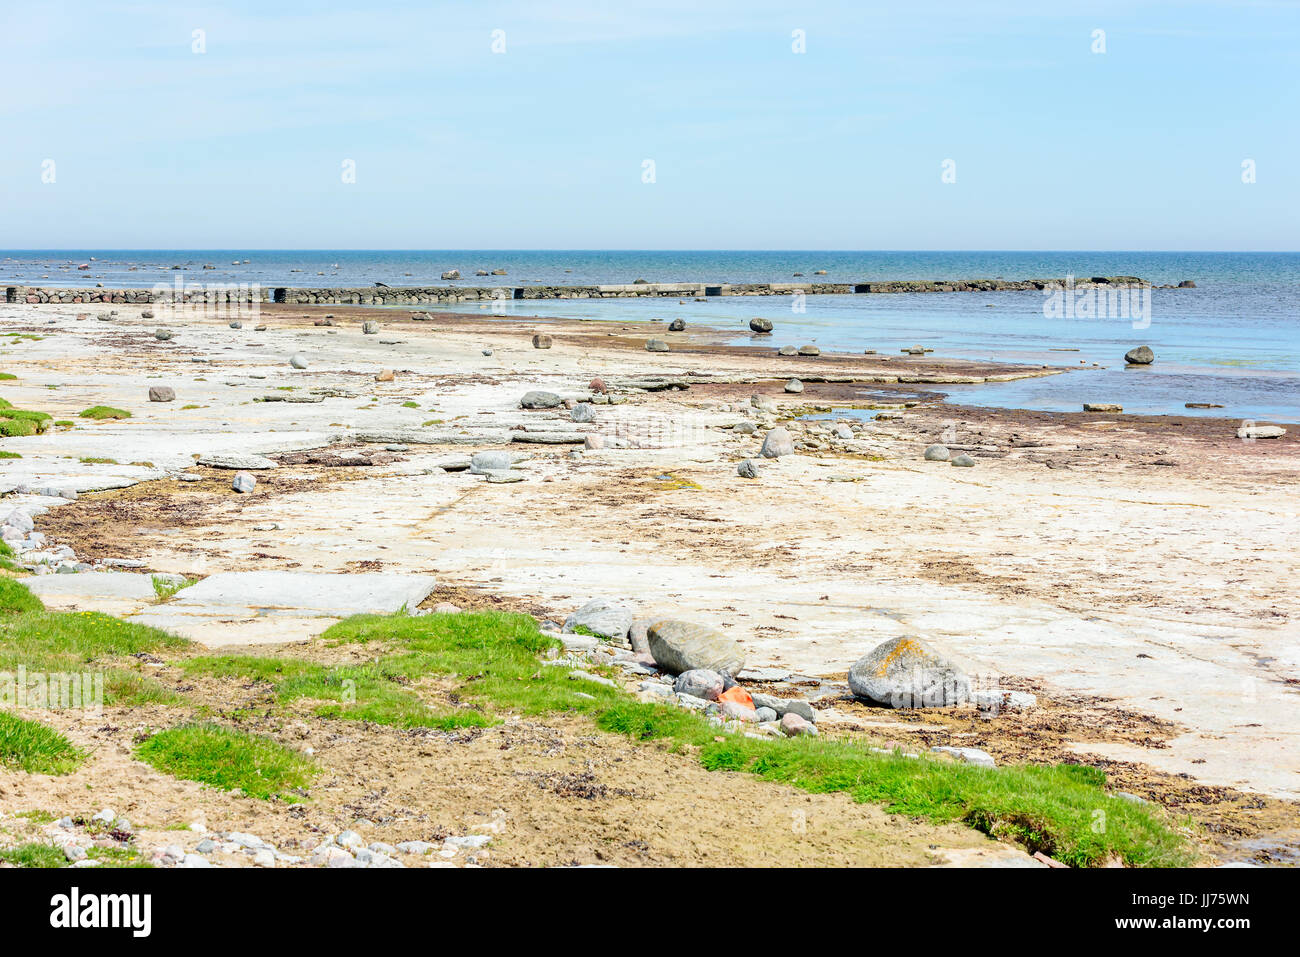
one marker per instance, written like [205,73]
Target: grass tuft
[32,747]
[104,412]
[228,759]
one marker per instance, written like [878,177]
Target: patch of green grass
[9,455]
[118,856]
[104,412]
[410,405]
[38,817]
[228,759]
[190,406]
[32,747]
[65,423]
[96,460]
[378,691]
[33,854]
[55,642]
[1062,810]
[16,598]
[6,376]
[432,422]
[165,588]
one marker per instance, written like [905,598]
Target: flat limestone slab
[302,594]
[268,607]
[114,593]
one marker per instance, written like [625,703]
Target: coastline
[1102,595]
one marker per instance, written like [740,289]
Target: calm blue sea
[1234,340]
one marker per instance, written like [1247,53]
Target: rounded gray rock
[794,385]
[936,453]
[537,399]
[699,683]
[759,324]
[776,443]
[962,461]
[679,646]
[747,469]
[243,482]
[1140,356]
[904,673]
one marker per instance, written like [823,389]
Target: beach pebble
[792,725]
[699,683]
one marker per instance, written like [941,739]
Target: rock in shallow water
[904,673]
[680,646]
[1140,356]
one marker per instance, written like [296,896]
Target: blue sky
[755,146]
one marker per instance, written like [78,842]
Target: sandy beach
[1135,573]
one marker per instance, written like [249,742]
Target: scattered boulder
[369,328]
[1261,432]
[936,453]
[677,325]
[298,360]
[481,463]
[794,385]
[162,335]
[451,274]
[699,683]
[162,393]
[760,325]
[904,673]
[995,700]
[592,442]
[1140,356]
[236,325]
[243,482]
[776,443]
[680,646]
[656,345]
[747,469]
[537,399]
[962,461]
[598,386]
[1187,284]
[541,341]
[809,350]
[639,637]
[1102,407]
[385,375]
[787,351]
[582,412]
[603,618]
[146,314]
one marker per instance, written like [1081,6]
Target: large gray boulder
[1140,356]
[679,646]
[537,399]
[603,618]
[778,442]
[759,324]
[904,673]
